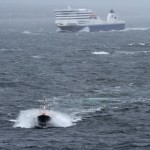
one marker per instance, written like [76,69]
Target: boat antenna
[44,103]
[44,100]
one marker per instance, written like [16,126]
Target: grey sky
[130,10]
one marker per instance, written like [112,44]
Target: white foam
[28,119]
[12,120]
[145,51]
[36,56]
[60,120]
[58,30]
[131,44]
[92,110]
[84,112]
[26,32]
[136,29]
[100,53]
[142,44]
[125,52]
[85,29]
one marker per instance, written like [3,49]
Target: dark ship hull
[43,121]
[93,28]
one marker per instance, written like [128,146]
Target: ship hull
[93,28]
[43,121]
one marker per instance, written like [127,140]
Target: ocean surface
[96,84]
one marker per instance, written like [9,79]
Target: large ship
[75,20]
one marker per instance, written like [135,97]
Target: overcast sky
[141,7]
[100,3]
[129,10]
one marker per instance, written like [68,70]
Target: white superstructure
[71,16]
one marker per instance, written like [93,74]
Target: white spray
[28,119]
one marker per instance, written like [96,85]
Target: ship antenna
[44,103]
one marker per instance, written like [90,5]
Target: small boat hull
[43,121]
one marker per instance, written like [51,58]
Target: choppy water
[97,85]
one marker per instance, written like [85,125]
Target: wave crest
[100,53]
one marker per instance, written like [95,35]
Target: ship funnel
[112,17]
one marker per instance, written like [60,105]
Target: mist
[135,12]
